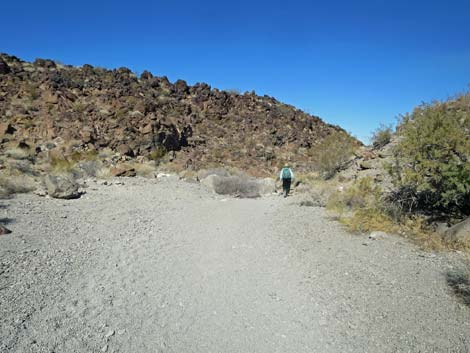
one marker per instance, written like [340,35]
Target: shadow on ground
[459,281]
[5,221]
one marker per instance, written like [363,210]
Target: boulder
[365,165]
[123,171]
[125,150]
[4,68]
[61,187]
[46,63]
[6,128]
[181,87]
[459,232]
[146,75]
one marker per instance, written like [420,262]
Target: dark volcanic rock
[46,63]
[4,68]
[93,108]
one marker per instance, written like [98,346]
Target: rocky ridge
[46,106]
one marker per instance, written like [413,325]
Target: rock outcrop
[89,109]
[460,232]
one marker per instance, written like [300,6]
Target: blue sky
[354,63]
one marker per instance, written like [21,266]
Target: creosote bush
[333,152]
[15,184]
[242,186]
[432,159]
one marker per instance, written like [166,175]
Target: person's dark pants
[286,186]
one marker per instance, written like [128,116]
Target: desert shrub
[32,90]
[382,136]
[459,281]
[158,153]
[204,173]
[15,184]
[146,170]
[363,193]
[363,207]
[332,153]
[433,157]
[59,164]
[105,153]
[104,173]
[90,168]
[19,153]
[23,166]
[90,155]
[241,186]
[78,162]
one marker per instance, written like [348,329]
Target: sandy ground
[165,266]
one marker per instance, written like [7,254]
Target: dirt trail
[167,267]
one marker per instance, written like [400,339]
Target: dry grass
[19,153]
[61,165]
[146,169]
[15,184]
[88,159]
[158,154]
[361,209]
[104,173]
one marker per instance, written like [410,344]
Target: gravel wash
[166,266]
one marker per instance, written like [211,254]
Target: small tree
[433,156]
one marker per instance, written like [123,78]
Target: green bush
[332,153]
[433,157]
[157,153]
[382,136]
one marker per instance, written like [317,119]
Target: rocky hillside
[49,107]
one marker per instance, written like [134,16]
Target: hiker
[286,176]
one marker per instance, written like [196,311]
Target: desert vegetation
[429,172]
[432,160]
[332,153]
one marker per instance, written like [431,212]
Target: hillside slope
[45,105]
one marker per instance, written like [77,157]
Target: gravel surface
[165,266]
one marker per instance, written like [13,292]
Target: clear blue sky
[354,63]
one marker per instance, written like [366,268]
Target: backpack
[286,173]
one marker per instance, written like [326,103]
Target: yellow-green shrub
[332,153]
[433,156]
